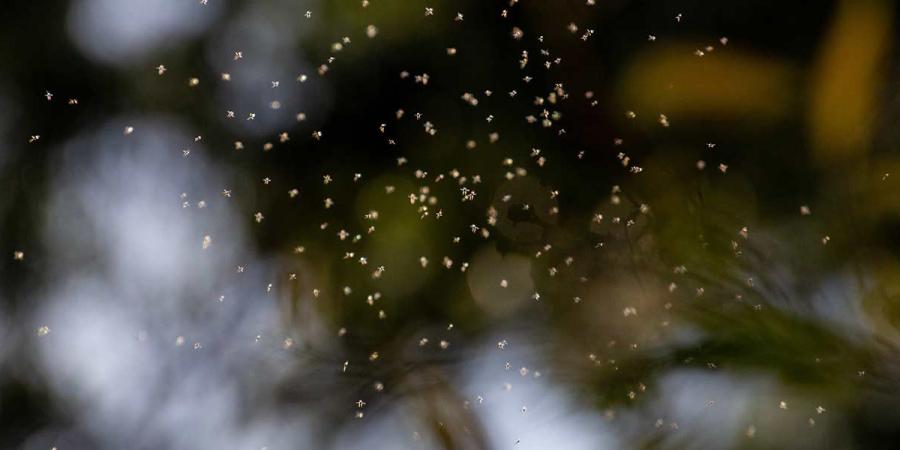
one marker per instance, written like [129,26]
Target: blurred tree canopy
[449,224]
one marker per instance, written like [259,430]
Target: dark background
[800,104]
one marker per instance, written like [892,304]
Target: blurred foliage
[798,102]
